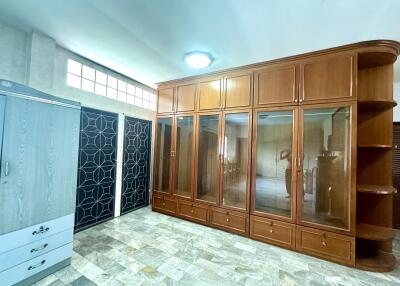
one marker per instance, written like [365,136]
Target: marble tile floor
[148,248]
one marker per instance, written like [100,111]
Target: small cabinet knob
[324,243]
[163,204]
[271,231]
[192,210]
[227,219]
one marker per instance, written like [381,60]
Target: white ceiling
[147,39]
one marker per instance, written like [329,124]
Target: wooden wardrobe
[295,152]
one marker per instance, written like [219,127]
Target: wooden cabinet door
[238,91]
[210,94]
[275,86]
[163,154]
[326,183]
[39,163]
[166,100]
[186,97]
[328,77]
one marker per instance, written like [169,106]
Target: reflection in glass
[207,158]
[235,161]
[326,144]
[183,157]
[162,154]
[274,162]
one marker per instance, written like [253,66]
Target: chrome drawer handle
[39,248]
[37,265]
[41,230]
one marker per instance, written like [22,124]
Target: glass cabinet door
[235,160]
[207,157]
[326,148]
[274,175]
[163,154]
[184,156]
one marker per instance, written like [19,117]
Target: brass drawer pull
[192,210]
[324,243]
[227,219]
[163,204]
[271,231]
[39,248]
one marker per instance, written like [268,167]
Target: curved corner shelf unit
[374,232]
[379,261]
[384,146]
[376,189]
[376,104]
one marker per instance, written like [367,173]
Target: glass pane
[326,169]
[274,163]
[112,82]
[121,85]
[74,67]
[87,85]
[130,99]
[236,159]
[130,89]
[112,93]
[101,78]
[207,158]
[101,89]
[139,92]
[138,101]
[121,96]
[183,157]
[73,80]
[146,104]
[88,73]
[162,154]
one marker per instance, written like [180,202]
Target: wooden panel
[327,77]
[272,231]
[164,204]
[374,128]
[193,211]
[375,83]
[275,86]
[186,97]
[165,100]
[238,91]
[40,146]
[229,220]
[210,94]
[331,246]
[396,173]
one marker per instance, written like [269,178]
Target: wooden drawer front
[193,211]
[327,78]
[210,95]
[35,249]
[332,246]
[29,268]
[164,204]
[230,220]
[34,233]
[272,231]
[238,91]
[186,97]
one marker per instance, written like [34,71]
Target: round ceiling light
[198,60]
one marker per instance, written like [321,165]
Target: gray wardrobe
[39,136]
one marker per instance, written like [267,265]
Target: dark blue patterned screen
[136,164]
[96,170]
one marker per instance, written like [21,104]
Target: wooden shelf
[374,59]
[378,262]
[384,146]
[376,189]
[374,232]
[376,105]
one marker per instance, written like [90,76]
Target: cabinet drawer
[192,211]
[29,268]
[164,204]
[272,231]
[332,246]
[229,220]
[34,233]
[29,251]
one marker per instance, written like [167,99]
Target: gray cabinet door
[2,108]
[40,150]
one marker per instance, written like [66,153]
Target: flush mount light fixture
[198,60]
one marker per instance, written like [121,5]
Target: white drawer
[34,233]
[27,269]
[29,251]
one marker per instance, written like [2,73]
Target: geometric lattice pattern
[136,164]
[96,171]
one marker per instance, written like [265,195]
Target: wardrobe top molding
[370,53]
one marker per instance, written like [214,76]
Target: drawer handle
[271,231]
[227,219]
[324,243]
[39,248]
[37,265]
[41,230]
[192,210]
[163,204]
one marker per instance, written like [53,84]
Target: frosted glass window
[146,95]
[74,67]
[139,92]
[87,85]
[121,96]
[138,101]
[73,80]
[111,93]
[88,73]
[152,106]
[130,89]
[153,97]
[121,85]
[101,89]
[146,104]
[101,78]
[112,82]
[130,99]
